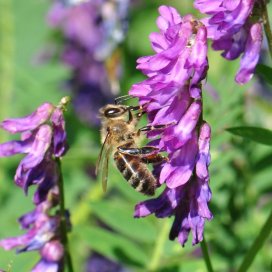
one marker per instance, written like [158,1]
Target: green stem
[267,28]
[206,255]
[6,56]
[158,250]
[258,243]
[63,221]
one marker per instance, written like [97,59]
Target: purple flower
[233,28]
[43,229]
[172,96]
[52,258]
[39,141]
[91,31]
[43,140]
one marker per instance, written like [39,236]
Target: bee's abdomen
[136,173]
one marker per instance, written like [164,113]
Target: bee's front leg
[135,151]
[119,100]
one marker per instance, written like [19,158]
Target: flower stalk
[63,221]
[159,246]
[206,255]
[267,28]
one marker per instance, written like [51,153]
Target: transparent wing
[105,169]
[102,163]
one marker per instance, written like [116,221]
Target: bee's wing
[102,163]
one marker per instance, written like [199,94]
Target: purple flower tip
[29,122]
[233,29]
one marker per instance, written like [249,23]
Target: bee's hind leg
[154,158]
[148,154]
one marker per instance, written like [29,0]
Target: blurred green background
[241,172]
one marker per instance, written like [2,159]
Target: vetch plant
[182,121]
[43,140]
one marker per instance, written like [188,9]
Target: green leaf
[257,245]
[256,134]
[119,216]
[112,245]
[265,72]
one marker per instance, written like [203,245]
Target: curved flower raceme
[235,30]
[91,31]
[43,139]
[172,96]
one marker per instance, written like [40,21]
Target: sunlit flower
[172,96]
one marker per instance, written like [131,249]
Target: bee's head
[113,111]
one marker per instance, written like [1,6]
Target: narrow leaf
[112,245]
[257,245]
[264,72]
[120,217]
[256,134]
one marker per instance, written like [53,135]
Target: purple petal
[40,146]
[198,56]
[203,196]
[15,147]
[181,166]
[10,243]
[36,155]
[197,227]
[158,42]
[43,231]
[50,180]
[59,134]
[209,6]
[29,122]
[52,251]
[233,45]
[204,158]
[162,206]
[251,56]
[28,219]
[169,16]
[45,266]
[179,134]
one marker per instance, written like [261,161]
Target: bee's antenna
[121,99]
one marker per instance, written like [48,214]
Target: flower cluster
[234,29]
[91,31]
[172,95]
[43,140]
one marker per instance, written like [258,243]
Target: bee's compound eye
[113,112]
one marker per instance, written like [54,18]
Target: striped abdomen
[136,173]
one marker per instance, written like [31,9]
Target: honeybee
[119,135]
